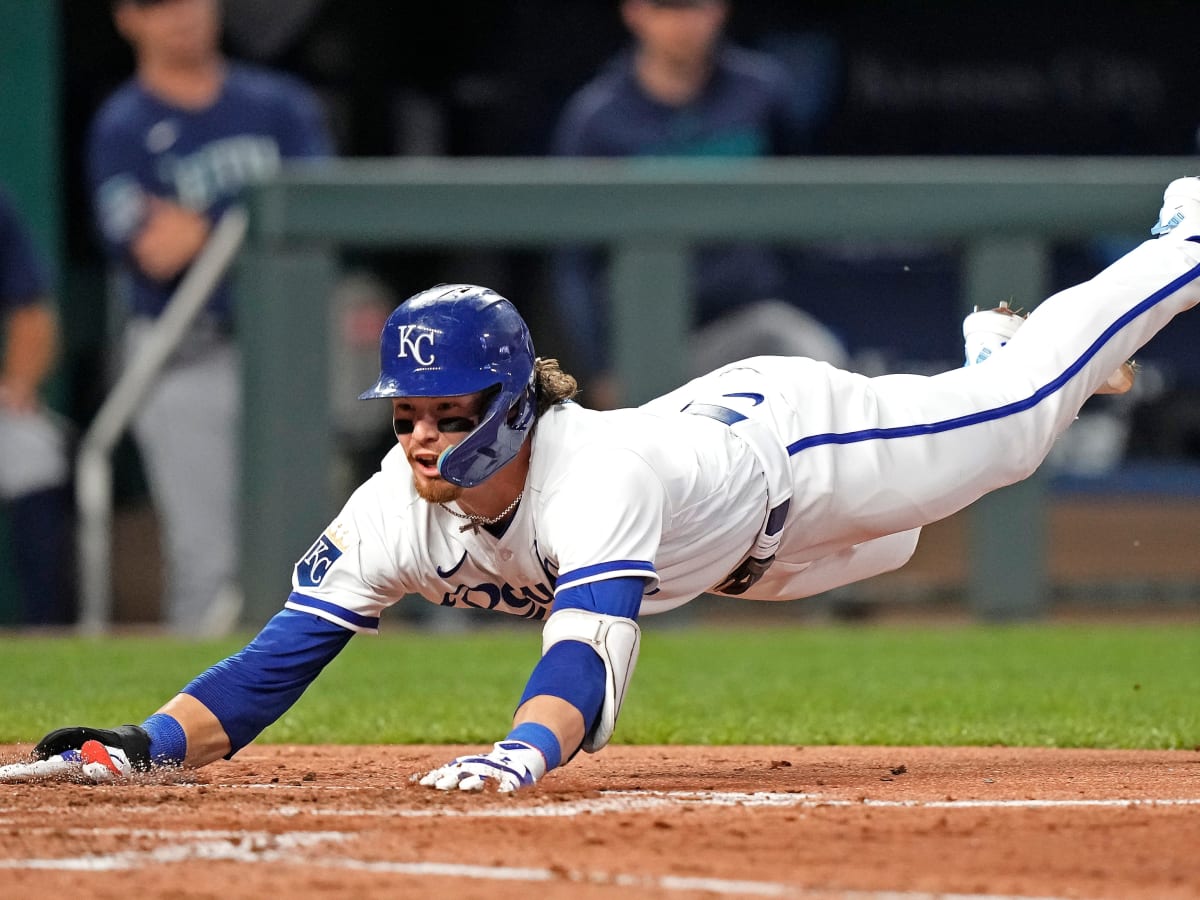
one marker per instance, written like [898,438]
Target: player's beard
[435,490]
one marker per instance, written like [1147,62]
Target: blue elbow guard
[571,670]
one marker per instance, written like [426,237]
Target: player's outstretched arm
[214,716]
[573,696]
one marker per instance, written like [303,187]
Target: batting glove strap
[511,765]
[131,739]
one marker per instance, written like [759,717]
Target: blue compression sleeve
[613,597]
[571,671]
[254,687]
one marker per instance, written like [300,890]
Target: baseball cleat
[102,763]
[987,330]
[1180,210]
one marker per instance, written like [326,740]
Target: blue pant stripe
[1000,412]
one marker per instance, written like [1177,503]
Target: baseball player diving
[772,478]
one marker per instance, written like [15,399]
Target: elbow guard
[616,640]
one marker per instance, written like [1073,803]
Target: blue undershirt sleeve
[612,596]
[258,684]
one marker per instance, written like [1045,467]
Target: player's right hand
[509,766]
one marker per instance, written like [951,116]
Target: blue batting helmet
[456,339]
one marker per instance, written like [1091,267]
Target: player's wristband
[541,739]
[168,741]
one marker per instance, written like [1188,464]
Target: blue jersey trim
[312,604]
[999,412]
[633,567]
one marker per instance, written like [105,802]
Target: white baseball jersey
[681,499]
[676,500]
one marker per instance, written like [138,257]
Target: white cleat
[987,330]
[1180,213]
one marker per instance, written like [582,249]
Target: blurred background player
[683,90]
[167,154]
[34,471]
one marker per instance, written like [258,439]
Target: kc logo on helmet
[417,341]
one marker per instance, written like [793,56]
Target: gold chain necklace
[474,522]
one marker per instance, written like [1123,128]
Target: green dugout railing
[1004,212]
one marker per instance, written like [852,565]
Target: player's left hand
[509,766]
[92,762]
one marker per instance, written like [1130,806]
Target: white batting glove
[510,765]
[92,762]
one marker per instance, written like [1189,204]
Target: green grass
[1023,686]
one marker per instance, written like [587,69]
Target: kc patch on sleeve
[316,562]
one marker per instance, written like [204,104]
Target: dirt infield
[867,823]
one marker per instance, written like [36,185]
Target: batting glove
[131,740]
[88,754]
[510,765]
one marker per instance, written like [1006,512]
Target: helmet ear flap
[495,441]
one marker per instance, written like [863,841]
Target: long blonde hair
[553,384]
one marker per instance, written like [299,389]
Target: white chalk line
[246,847]
[723,886]
[211,846]
[655,801]
[294,848]
[728,798]
[652,801]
